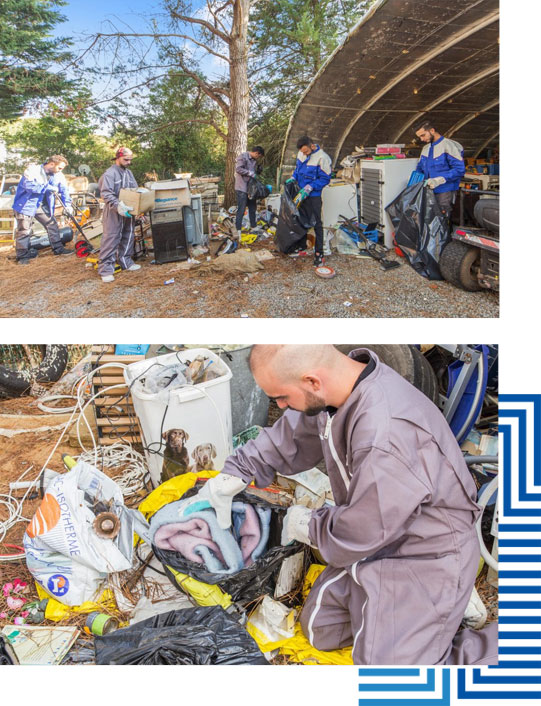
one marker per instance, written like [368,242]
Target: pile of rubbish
[116,575]
[224,230]
[351,163]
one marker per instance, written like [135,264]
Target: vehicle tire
[459,264]
[14,383]
[408,361]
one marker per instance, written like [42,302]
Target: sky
[85,19]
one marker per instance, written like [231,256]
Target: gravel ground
[65,287]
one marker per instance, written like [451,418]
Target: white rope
[132,478]
[15,506]
[56,410]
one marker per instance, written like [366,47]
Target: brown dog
[176,459]
[203,455]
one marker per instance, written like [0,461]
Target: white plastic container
[202,411]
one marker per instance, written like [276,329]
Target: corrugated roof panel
[405,57]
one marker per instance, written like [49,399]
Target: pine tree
[30,57]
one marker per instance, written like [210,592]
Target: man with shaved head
[399,542]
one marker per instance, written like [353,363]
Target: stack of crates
[114,412]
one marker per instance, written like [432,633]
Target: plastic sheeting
[297,648]
[421,230]
[191,636]
[292,224]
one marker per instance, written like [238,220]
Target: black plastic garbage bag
[292,223]
[421,230]
[256,189]
[203,635]
[249,583]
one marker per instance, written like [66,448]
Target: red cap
[123,152]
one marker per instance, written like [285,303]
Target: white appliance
[381,182]
[338,199]
[202,411]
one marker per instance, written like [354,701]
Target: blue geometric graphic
[517,676]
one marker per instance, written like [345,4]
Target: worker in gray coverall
[400,542]
[118,237]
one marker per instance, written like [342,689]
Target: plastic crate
[131,348]
[416,177]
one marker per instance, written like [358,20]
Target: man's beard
[315,404]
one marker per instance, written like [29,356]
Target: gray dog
[203,455]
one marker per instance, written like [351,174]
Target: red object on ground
[397,249]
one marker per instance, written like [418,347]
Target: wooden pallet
[115,415]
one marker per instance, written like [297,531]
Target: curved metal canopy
[406,59]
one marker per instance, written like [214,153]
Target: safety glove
[217,493]
[290,180]
[69,209]
[436,181]
[303,193]
[295,525]
[52,188]
[124,210]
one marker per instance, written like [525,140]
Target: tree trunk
[237,132]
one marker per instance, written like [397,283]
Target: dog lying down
[200,539]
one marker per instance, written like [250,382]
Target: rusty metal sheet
[406,56]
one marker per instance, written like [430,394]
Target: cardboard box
[170,194]
[138,201]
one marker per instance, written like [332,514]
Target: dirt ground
[65,286]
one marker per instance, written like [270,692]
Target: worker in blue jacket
[312,174]
[442,162]
[35,199]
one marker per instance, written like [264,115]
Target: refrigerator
[381,182]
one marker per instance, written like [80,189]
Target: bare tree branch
[211,51]
[160,35]
[196,21]
[187,120]
[130,88]
[216,12]
[206,88]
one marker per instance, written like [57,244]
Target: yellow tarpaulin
[297,648]
[170,491]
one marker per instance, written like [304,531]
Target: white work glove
[252,174]
[219,492]
[436,181]
[124,210]
[52,188]
[475,615]
[69,209]
[295,525]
